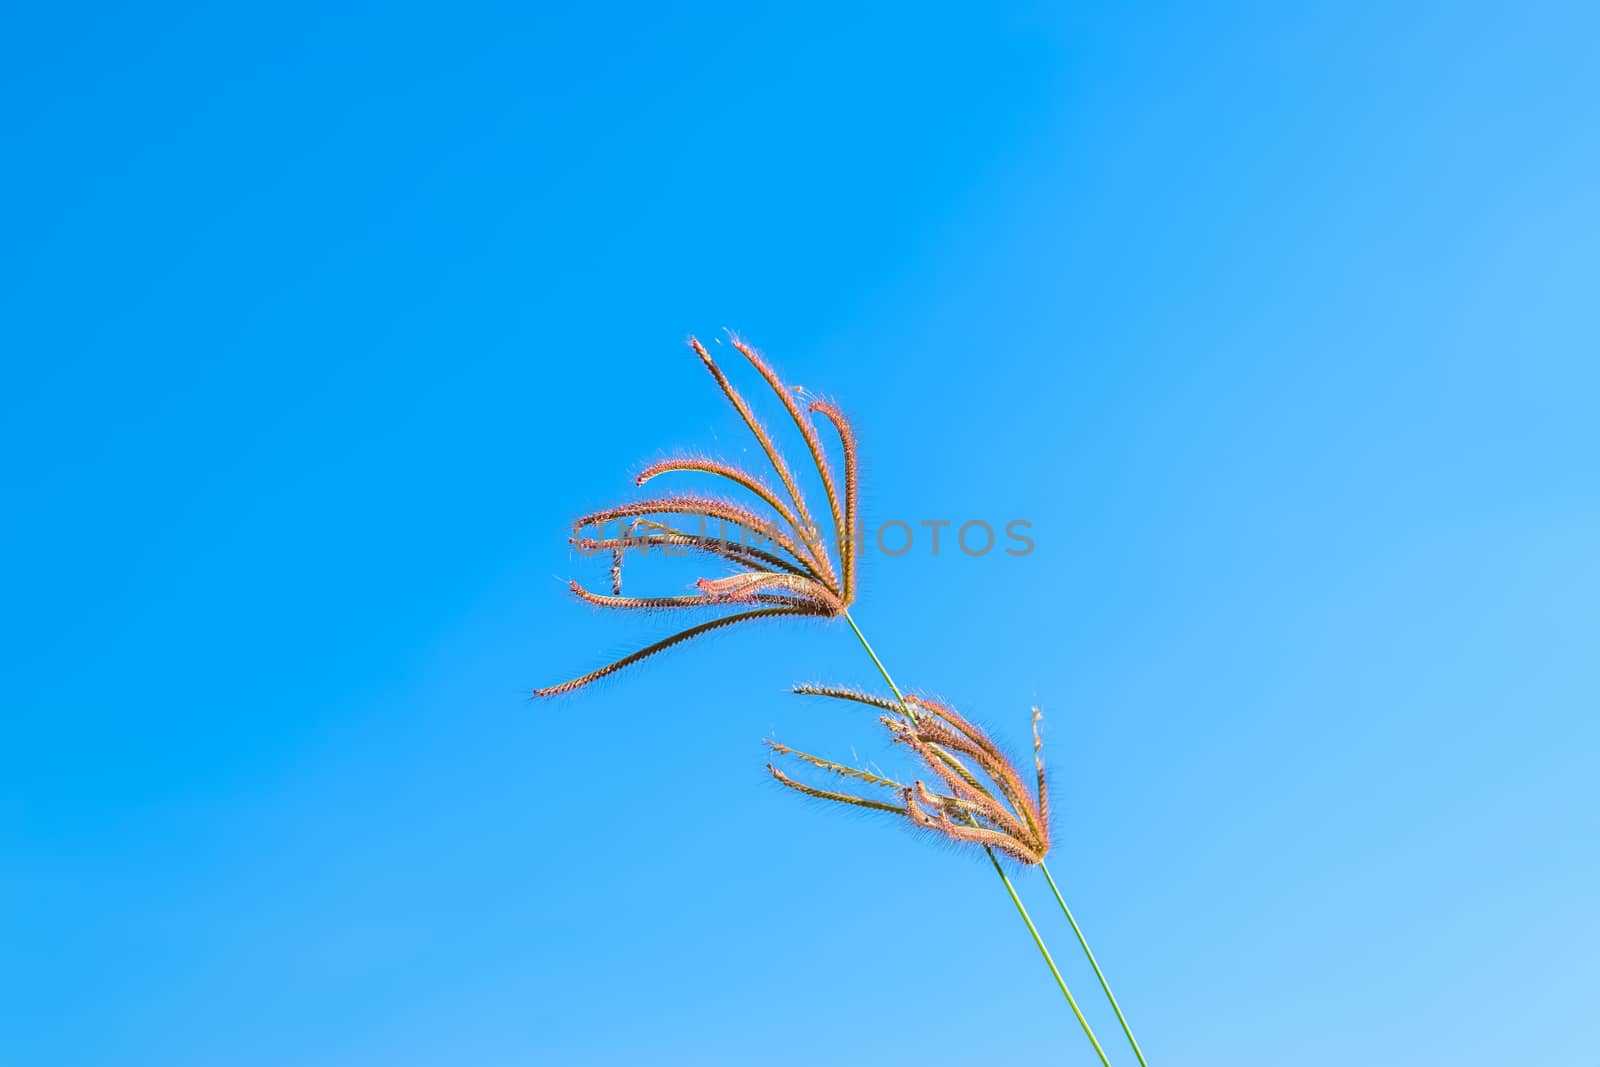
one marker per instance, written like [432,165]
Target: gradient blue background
[1279,327]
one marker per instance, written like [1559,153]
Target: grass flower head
[977,797]
[776,561]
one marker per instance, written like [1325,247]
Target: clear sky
[1279,327]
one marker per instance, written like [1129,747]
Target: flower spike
[676,639]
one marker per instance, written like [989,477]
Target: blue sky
[1277,326]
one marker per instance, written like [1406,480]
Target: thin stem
[1093,963]
[879,664]
[1006,880]
[1037,940]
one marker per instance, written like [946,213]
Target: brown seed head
[782,564]
[983,803]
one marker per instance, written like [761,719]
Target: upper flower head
[778,562]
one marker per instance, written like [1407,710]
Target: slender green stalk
[1037,940]
[1006,881]
[1095,964]
[879,664]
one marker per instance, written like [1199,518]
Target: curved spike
[733,474]
[828,794]
[705,507]
[856,695]
[664,536]
[808,431]
[774,457]
[639,603]
[845,523]
[740,588]
[669,642]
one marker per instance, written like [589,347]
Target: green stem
[878,663]
[1006,880]
[1037,940]
[1094,963]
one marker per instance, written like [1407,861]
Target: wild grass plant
[778,562]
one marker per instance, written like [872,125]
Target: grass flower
[778,562]
[984,803]
[978,797]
